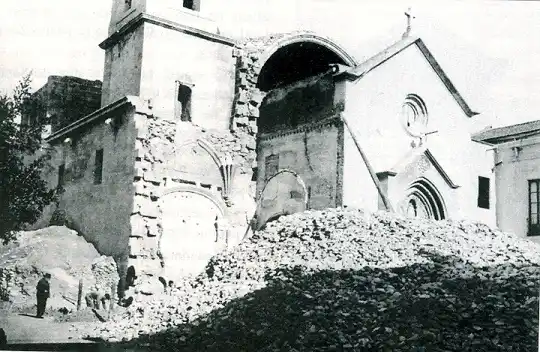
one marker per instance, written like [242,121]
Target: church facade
[200,138]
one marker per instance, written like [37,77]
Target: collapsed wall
[159,167]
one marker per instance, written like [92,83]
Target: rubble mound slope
[343,279]
[57,250]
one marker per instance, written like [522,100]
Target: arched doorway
[424,201]
[189,237]
[284,193]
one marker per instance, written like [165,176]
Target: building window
[98,167]
[414,115]
[194,5]
[483,192]
[271,166]
[61,172]
[127,4]
[534,201]
[182,109]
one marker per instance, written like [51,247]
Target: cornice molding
[334,120]
[144,17]
[98,115]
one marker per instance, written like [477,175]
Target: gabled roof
[370,64]
[508,133]
[412,157]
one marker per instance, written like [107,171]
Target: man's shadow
[30,315]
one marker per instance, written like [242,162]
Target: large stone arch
[264,56]
[301,54]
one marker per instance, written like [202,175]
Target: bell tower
[168,53]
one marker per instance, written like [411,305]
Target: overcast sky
[490,49]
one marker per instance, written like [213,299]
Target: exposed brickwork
[158,143]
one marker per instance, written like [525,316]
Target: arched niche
[284,193]
[195,161]
[188,217]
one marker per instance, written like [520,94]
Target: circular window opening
[414,115]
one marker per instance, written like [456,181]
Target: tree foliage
[23,192]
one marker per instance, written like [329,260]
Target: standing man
[43,292]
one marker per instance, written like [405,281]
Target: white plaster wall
[100,212]
[513,187]
[373,109]
[169,56]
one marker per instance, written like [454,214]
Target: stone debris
[342,279]
[105,274]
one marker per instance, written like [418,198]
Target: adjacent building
[517,176]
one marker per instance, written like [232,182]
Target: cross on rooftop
[410,17]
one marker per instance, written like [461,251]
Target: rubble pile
[342,279]
[57,250]
[105,274]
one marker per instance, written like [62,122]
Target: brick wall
[301,132]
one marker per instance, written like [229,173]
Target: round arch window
[414,115]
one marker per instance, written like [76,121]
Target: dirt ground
[26,328]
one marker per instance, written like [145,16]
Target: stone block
[140,188]
[151,176]
[150,287]
[242,97]
[242,110]
[138,173]
[139,153]
[253,111]
[147,266]
[150,246]
[241,121]
[143,165]
[153,228]
[252,127]
[138,226]
[256,98]
[243,82]
[250,143]
[135,246]
[146,207]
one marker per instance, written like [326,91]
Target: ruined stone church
[200,138]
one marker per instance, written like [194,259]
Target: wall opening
[182,107]
[483,192]
[98,167]
[295,62]
[61,172]
[194,5]
[534,208]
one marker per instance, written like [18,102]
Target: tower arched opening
[295,62]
